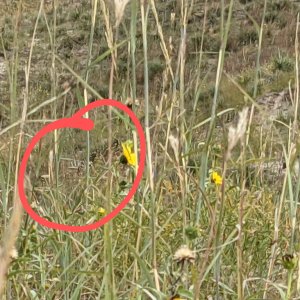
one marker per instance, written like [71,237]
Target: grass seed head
[184,253]
[119,10]
[236,134]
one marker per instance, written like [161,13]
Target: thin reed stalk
[110,289]
[11,232]
[182,125]
[144,15]
[204,156]
[133,28]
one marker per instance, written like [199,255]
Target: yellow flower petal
[128,152]
[101,211]
[216,178]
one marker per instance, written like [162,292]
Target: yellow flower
[176,297]
[128,152]
[102,211]
[216,178]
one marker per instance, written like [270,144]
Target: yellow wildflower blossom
[128,152]
[102,211]
[176,297]
[216,178]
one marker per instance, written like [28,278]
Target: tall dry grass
[183,235]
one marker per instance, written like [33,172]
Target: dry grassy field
[215,86]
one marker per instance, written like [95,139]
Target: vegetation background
[215,216]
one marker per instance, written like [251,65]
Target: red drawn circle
[79,122]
